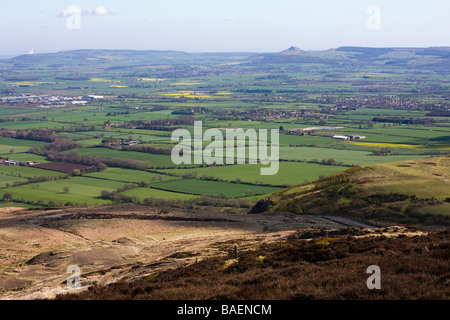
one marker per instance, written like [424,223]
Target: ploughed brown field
[61,166]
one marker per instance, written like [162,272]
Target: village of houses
[304,131]
[46,101]
[17,163]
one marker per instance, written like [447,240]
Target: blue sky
[232,25]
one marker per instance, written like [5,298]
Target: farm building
[11,163]
[356,137]
[349,137]
[341,137]
[79,102]
[93,97]
[130,143]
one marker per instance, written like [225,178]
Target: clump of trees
[148,149]
[403,120]
[328,162]
[7,197]
[118,197]
[382,151]
[56,142]
[36,135]
[100,163]
[62,144]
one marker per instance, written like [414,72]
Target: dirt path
[348,222]
[110,243]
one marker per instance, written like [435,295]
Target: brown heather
[326,268]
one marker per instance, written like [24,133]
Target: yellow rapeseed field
[385,145]
[150,79]
[29,83]
[195,94]
[185,83]
[188,94]
[102,80]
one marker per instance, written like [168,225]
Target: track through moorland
[124,242]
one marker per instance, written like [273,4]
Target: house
[111,144]
[130,143]
[79,102]
[340,137]
[356,137]
[92,97]
[11,163]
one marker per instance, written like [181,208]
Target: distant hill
[411,192]
[292,50]
[435,58]
[293,55]
[99,58]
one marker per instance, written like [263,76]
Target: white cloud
[101,11]
[231,19]
[72,11]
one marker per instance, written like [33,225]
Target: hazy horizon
[6,55]
[212,26]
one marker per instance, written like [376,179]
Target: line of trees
[100,163]
[205,201]
[148,149]
[56,142]
[402,120]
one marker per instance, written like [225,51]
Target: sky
[220,26]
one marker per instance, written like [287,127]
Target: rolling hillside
[411,192]
[411,58]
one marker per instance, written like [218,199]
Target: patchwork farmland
[117,143]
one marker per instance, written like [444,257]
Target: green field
[90,142]
[306,140]
[21,142]
[426,178]
[348,157]
[82,190]
[428,188]
[290,173]
[155,160]
[143,193]
[199,187]
[4,204]
[127,175]
[12,149]
[22,125]
[28,172]
[8,180]
[442,209]
[9,146]
[149,94]
[25,157]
